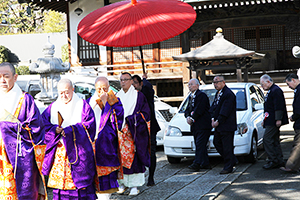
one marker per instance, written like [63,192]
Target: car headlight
[173,131]
[241,129]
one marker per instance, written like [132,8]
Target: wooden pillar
[186,73]
[185,42]
[202,75]
[156,54]
[257,39]
[69,36]
[246,77]
[239,74]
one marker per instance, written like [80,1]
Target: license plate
[208,145]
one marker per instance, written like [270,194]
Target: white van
[179,141]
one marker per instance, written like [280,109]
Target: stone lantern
[49,69]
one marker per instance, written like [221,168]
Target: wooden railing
[155,70]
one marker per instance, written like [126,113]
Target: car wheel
[252,156]
[173,160]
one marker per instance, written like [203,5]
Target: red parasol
[135,23]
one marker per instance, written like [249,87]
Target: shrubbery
[22,70]
[65,53]
[4,54]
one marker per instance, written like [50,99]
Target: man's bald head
[65,90]
[101,85]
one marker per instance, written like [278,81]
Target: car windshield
[241,100]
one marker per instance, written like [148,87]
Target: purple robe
[107,143]
[83,171]
[140,134]
[27,177]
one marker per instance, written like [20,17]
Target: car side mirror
[259,106]
[173,110]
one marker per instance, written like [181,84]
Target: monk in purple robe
[20,121]
[70,129]
[107,108]
[137,116]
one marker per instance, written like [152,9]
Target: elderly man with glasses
[136,120]
[223,111]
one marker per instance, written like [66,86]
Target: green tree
[65,53]
[20,18]
[54,22]
[22,70]
[3,54]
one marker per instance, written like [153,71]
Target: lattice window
[170,47]
[122,54]
[228,34]
[88,53]
[195,44]
[147,53]
[245,38]
[131,54]
[291,39]
[271,38]
[169,89]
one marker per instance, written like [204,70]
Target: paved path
[178,182]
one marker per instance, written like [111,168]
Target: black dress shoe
[225,171]
[150,183]
[194,167]
[271,165]
[205,167]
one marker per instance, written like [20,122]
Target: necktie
[191,103]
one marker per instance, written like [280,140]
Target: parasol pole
[142,58]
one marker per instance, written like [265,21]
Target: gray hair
[65,81]
[196,80]
[7,64]
[102,78]
[266,77]
[221,77]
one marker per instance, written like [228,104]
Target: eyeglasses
[126,79]
[215,82]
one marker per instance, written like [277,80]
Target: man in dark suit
[293,163]
[223,112]
[198,117]
[147,89]
[275,116]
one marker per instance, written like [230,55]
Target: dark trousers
[272,144]
[201,138]
[152,157]
[223,142]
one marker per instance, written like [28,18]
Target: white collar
[97,110]
[71,112]
[128,101]
[10,100]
